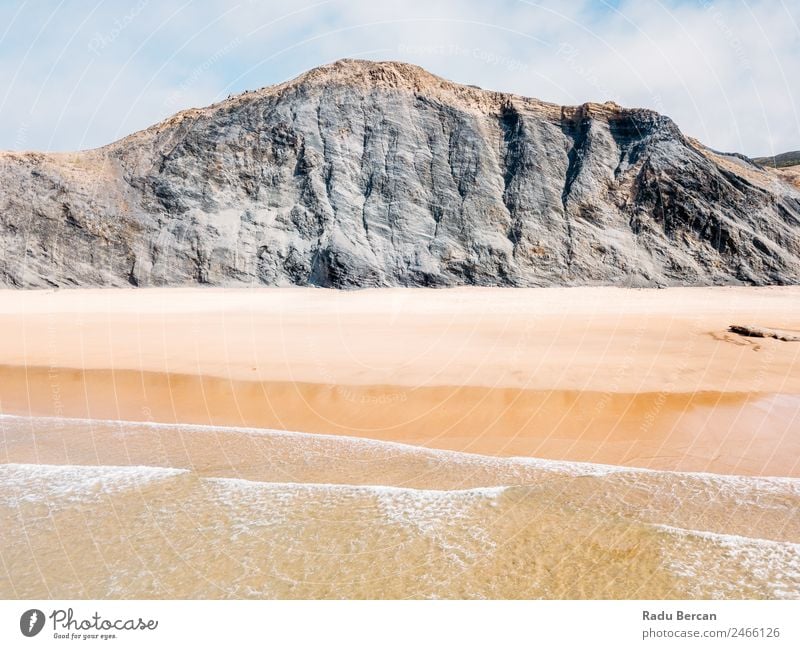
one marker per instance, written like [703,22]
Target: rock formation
[361,174]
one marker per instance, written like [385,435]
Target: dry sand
[648,378]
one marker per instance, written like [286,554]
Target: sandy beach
[647,378]
[300,443]
[152,510]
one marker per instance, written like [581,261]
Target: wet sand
[733,433]
[648,378]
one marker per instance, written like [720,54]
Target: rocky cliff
[364,174]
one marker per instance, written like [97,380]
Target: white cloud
[76,75]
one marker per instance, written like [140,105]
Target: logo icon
[31,622]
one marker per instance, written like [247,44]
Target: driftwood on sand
[764,332]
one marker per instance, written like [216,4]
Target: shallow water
[254,513]
[738,433]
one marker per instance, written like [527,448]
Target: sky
[76,74]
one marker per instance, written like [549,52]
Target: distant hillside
[788,159]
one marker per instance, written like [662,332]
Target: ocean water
[93,509]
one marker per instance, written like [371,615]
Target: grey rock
[362,174]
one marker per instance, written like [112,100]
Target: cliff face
[379,174]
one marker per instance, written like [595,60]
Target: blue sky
[78,74]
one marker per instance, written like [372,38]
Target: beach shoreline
[298,443]
[634,377]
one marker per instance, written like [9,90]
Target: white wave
[50,483]
[775,564]
[729,540]
[68,479]
[562,467]
[488,492]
